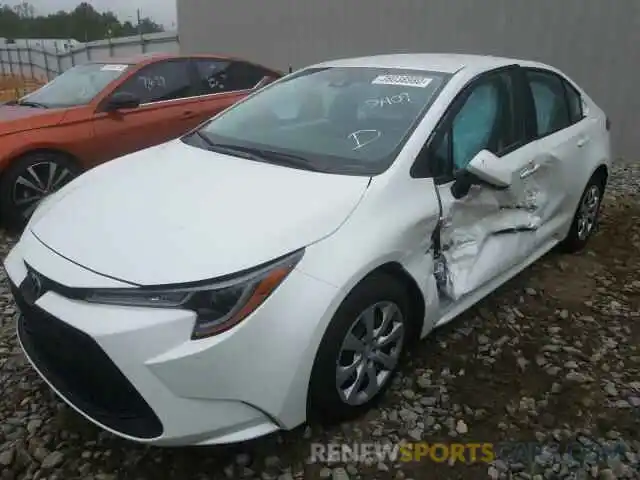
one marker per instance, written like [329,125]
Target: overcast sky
[161,11]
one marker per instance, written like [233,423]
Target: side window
[552,112]
[219,76]
[484,121]
[211,76]
[244,76]
[166,80]
[575,103]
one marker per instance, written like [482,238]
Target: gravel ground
[551,359]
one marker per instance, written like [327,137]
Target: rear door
[222,82]
[168,109]
[560,129]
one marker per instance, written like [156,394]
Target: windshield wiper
[290,160]
[258,154]
[32,104]
[244,152]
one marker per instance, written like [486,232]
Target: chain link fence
[24,68]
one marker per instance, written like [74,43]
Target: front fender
[391,225]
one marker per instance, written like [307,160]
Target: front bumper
[136,372]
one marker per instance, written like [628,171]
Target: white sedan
[275,264]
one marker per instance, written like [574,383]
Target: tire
[377,292]
[585,220]
[46,171]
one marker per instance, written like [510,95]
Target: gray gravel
[551,361]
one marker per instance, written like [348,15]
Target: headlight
[220,304]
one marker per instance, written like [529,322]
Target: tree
[84,23]
[25,10]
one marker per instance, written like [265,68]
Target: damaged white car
[277,262]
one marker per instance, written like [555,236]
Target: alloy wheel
[588,212]
[370,353]
[36,182]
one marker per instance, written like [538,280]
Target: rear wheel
[360,351]
[585,220]
[28,180]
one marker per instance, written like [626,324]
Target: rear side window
[552,111]
[220,76]
[575,103]
[244,76]
[211,76]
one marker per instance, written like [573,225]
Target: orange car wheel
[30,179]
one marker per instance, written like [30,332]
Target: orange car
[98,111]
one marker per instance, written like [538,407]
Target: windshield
[348,120]
[77,86]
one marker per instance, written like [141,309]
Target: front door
[485,232]
[168,109]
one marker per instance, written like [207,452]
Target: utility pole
[86,23]
[139,22]
[142,46]
[86,31]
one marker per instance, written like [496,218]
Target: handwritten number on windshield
[151,83]
[389,100]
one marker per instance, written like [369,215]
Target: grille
[81,371]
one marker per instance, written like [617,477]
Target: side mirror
[490,169]
[120,101]
[483,169]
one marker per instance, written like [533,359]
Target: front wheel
[361,350]
[28,180]
[586,217]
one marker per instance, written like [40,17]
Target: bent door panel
[488,232]
[552,184]
[562,137]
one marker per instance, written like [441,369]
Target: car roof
[436,62]
[144,58]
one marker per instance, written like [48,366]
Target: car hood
[14,118]
[176,213]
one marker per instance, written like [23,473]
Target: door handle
[529,170]
[583,141]
[188,114]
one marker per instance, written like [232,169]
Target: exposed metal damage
[485,233]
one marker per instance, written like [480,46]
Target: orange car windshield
[77,86]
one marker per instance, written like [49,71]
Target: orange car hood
[14,118]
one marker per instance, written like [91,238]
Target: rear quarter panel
[598,152]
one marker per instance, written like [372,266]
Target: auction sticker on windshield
[114,68]
[402,80]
